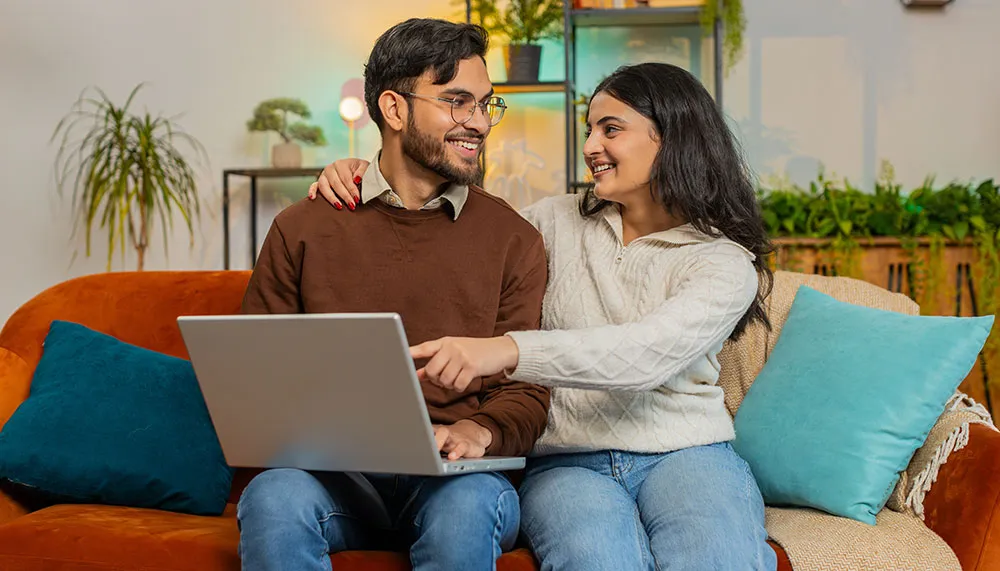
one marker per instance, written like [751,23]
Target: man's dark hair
[407,50]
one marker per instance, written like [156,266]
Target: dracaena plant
[127,172]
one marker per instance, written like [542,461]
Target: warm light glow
[351,109]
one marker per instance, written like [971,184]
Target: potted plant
[126,170]
[272,115]
[734,23]
[522,23]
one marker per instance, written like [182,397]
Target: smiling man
[452,260]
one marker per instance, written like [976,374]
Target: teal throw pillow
[847,396]
[110,423]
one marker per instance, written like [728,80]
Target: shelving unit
[605,17]
[535,87]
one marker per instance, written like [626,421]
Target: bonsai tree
[272,115]
[126,170]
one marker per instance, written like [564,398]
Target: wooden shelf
[532,87]
[271,172]
[667,16]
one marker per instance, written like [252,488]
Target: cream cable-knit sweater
[631,334]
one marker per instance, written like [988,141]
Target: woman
[650,272]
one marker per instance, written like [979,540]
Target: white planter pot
[286,156]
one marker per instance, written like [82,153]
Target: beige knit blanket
[816,541]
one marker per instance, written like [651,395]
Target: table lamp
[351,109]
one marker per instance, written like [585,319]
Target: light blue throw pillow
[847,396]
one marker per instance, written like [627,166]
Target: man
[451,260]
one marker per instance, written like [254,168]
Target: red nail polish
[338,206]
[357,180]
[351,206]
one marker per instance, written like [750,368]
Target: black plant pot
[522,62]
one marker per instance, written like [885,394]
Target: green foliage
[837,209]
[734,25]
[272,115]
[519,21]
[125,171]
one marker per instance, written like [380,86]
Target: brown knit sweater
[480,275]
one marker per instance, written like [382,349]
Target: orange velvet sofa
[141,308]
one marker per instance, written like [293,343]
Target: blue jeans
[697,508]
[290,519]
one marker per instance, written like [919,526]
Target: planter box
[942,282]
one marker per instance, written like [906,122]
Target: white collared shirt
[374,185]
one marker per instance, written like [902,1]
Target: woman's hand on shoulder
[340,183]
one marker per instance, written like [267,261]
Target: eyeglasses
[463,107]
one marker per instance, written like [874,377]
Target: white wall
[212,61]
[852,82]
[845,82]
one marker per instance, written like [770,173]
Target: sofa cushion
[109,538]
[881,380]
[743,359]
[99,538]
[111,423]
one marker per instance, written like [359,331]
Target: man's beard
[433,156]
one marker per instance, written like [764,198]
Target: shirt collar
[373,185]
[681,235]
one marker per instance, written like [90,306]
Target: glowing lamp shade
[351,109]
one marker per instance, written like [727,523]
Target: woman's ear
[654,134]
[394,110]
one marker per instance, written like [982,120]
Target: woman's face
[620,149]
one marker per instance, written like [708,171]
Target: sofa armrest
[15,382]
[963,506]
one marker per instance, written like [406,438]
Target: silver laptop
[322,392]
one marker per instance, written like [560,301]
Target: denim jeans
[290,519]
[693,509]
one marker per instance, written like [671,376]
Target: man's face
[433,137]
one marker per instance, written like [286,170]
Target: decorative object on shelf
[351,109]
[272,115]
[126,170]
[508,169]
[522,23]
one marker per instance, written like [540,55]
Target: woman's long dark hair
[699,174]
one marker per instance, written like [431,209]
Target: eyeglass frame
[481,105]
